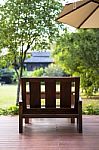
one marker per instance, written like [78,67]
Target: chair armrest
[80,99]
[80,106]
[20,100]
[80,102]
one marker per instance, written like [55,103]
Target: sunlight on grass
[8,95]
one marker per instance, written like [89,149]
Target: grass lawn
[7,95]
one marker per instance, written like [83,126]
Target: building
[38,59]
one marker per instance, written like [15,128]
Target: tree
[25,25]
[78,53]
[38,72]
[53,70]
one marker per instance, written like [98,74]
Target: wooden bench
[54,97]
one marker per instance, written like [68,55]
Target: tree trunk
[18,87]
[18,93]
[21,71]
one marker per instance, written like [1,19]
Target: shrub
[53,70]
[91,109]
[12,110]
[7,75]
[38,72]
[3,111]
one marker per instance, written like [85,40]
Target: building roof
[41,54]
[40,57]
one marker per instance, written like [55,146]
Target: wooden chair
[65,90]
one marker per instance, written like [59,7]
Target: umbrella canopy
[81,14]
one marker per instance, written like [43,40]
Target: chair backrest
[53,90]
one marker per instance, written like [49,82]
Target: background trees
[78,54]
[25,25]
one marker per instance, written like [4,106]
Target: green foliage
[51,70]
[90,109]
[28,23]
[78,54]
[12,110]
[38,72]
[89,81]
[24,25]
[7,76]
[27,73]
[3,111]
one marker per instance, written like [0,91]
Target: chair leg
[72,120]
[79,124]
[20,117]
[79,119]
[20,124]
[26,120]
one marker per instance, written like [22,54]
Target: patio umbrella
[81,14]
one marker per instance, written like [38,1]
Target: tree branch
[28,47]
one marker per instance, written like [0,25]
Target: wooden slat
[65,94]
[23,90]
[58,79]
[68,115]
[50,94]
[50,111]
[35,98]
[28,98]
[77,83]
